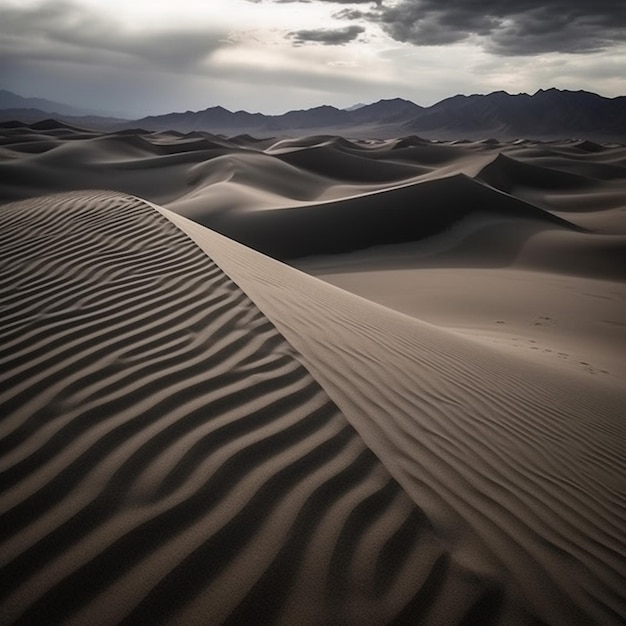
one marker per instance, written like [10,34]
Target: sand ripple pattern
[165,457]
[519,470]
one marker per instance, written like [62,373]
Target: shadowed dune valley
[310,379]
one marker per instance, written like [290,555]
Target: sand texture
[424,423]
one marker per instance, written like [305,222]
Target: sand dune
[426,427]
[223,182]
[506,174]
[165,455]
[336,163]
[405,213]
[519,471]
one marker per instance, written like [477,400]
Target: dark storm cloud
[65,31]
[328,37]
[512,27]
[352,14]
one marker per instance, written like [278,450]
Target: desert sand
[312,380]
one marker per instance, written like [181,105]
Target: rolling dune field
[310,380]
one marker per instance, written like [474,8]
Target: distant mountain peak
[355,107]
[324,107]
[392,100]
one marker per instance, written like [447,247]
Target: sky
[140,57]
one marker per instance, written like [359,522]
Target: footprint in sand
[543,320]
[592,370]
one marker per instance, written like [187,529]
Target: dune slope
[166,457]
[519,467]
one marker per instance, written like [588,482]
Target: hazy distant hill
[356,106]
[10,100]
[92,122]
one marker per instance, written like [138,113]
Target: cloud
[72,52]
[326,36]
[63,30]
[512,27]
[353,14]
[138,57]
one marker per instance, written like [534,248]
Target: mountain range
[546,114]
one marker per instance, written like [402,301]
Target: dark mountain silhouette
[224,120]
[393,110]
[219,119]
[549,113]
[546,114]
